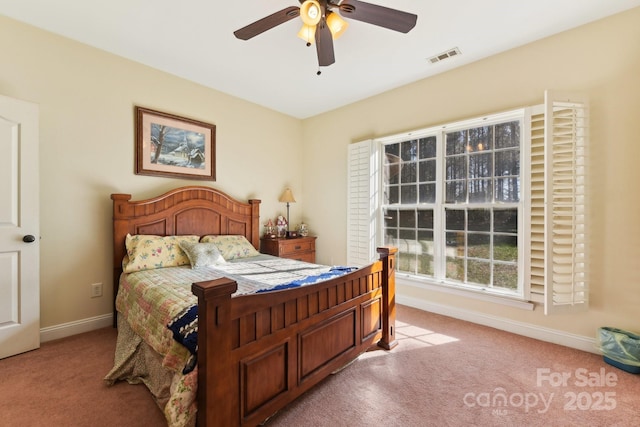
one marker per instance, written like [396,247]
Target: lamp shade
[287,196]
[310,12]
[308,33]
[336,24]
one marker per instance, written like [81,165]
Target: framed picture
[173,146]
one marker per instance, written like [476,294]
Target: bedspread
[150,300]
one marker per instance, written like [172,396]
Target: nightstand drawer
[292,246]
[301,248]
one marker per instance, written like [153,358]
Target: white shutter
[536,225]
[566,121]
[362,193]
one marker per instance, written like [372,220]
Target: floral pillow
[232,247]
[202,254]
[146,252]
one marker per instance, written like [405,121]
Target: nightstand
[299,248]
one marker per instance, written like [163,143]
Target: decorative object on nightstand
[269,230]
[287,197]
[303,230]
[301,249]
[281,225]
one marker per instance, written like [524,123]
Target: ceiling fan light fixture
[336,24]
[308,34]
[310,12]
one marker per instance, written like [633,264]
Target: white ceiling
[194,40]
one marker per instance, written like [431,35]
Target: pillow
[202,254]
[146,252]
[232,247]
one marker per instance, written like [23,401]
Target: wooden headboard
[192,210]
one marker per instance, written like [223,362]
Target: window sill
[511,301]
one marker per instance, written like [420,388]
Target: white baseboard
[77,327]
[566,339]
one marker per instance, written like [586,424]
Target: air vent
[444,55]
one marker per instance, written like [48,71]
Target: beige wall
[601,59]
[86,100]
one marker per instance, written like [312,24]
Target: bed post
[217,379]
[388,257]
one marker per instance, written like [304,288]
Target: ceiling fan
[322,22]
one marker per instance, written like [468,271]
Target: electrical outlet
[96,290]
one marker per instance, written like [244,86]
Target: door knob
[29,238]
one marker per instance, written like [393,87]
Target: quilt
[151,300]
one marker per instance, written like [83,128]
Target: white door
[19,228]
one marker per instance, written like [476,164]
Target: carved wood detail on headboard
[191,210]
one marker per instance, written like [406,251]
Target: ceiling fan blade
[324,44]
[267,23]
[392,19]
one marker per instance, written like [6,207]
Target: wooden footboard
[257,353]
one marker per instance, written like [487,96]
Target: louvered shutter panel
[536,255]
[566,120]
[361,203]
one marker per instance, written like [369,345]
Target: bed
[256,352]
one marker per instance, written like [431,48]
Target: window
[492,205]
[471,186]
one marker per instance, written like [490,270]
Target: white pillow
[202,254]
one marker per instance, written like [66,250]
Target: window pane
[505,276]
[392,150]
[406,262]
[480,139]
[508,190]
[456,143]
[456,168]
[409,151]
[393,195]
[425,259]
[505,248]
[508,135]
[425,264]
[408,219]
[392,163]
[425,219]
[391,218]
[455,268]
[392,173]
[391,237]
[427,170]
[479,245]
[427,147]
[408,173]
[427,193]
[456,192]
[408,194]
[405,235]
[479,219]
[479,272]
[508,163]
[505,221]
[480,191]
[454,219]
[480,165]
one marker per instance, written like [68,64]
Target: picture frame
[175,147]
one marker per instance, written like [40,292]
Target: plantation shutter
[362,191]
[566,120]
[537,227]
